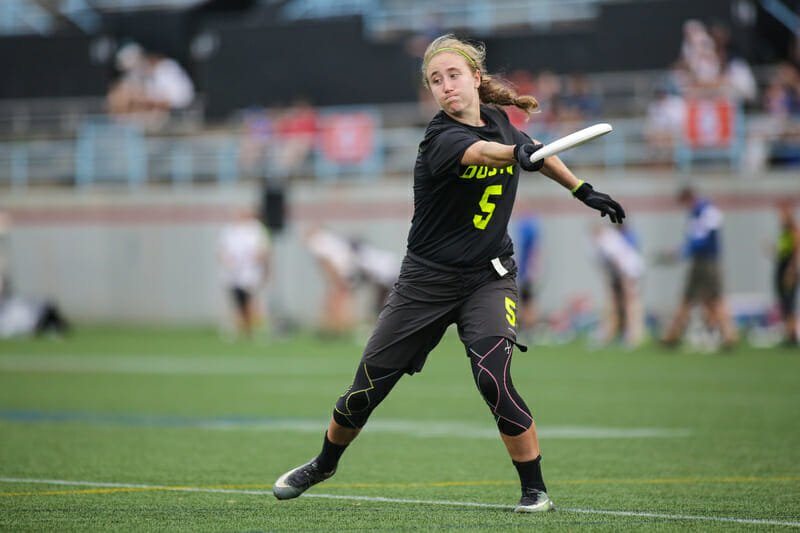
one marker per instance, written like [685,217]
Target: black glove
[523,152]
[600,201]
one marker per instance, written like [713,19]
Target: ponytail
[493,92]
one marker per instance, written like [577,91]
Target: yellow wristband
[578,186]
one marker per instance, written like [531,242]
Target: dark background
[260,60]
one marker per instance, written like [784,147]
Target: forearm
[492,154]
[489,154]
[556,170]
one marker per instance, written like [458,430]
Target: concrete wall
[116,255]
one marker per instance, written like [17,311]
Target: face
[453,83]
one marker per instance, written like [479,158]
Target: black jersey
[461,213]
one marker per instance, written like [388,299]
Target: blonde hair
[490,91]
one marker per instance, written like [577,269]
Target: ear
[477,78]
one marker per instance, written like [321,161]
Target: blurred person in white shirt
[623,266]
[244,253]
[337,260]
[149,88]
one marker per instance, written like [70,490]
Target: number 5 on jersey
[480,221]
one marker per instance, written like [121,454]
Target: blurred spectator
[776,136]
[737,80]
[526,251]
[150,86]
[782,97]
[347,263]
[622,264]
[27,316]
[579,102]
[377,268]
[22,316]
[787,258]
[244,253]
[699,54]
[548,94]
[704,280]
[258,138]
[664,124]
[296,134]
[337,261]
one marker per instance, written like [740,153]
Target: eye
[436,81]
[454,75]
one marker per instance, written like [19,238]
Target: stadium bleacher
[44,119]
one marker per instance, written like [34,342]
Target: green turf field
[150,430]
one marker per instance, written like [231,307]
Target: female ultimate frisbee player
[459,266]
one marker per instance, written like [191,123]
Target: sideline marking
[380,499]
[421,429]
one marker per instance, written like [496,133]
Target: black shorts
[241,297]
[427,298]
[527,290]
[704,281]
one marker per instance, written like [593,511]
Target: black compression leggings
[369,388]
[491,368]
[491,365]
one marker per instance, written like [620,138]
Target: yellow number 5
[487,207]
[511,308]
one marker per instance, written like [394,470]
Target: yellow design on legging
[350,394]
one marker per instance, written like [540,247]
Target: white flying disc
[571,141]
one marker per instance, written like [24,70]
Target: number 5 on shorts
[487,207]
[511,309]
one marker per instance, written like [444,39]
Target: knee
[369,388]
[488,387]
[353,403]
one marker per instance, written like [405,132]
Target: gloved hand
[523,152]
[600,201]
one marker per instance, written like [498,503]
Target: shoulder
[494,112]
[443,129]
[439,123]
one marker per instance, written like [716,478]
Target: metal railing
[105,153]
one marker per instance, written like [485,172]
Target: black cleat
[295,482]
[534,501]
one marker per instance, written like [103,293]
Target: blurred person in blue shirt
[527,246]
[704,278]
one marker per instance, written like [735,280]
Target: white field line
[666,516]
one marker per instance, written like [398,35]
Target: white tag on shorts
[498,267]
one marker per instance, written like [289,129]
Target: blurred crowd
[148,88]
[696,104]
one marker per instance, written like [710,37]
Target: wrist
[515,153]
[578,186]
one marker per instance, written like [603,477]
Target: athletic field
[176,430]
